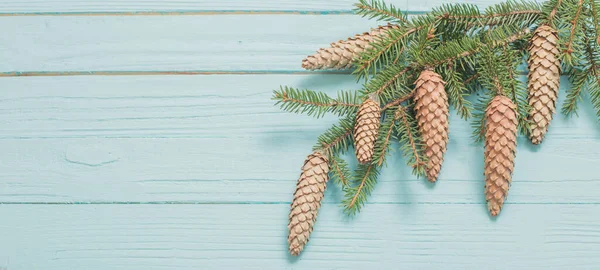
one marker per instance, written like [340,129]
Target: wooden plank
[171,43]
[211,139]
[190,6]
[229,236]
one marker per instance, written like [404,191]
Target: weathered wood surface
[12,7]
[207,236]
[220,139]
[197,172]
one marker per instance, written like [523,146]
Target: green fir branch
[361,186]
[336,139]
[594,92]
[384,51]
[340,171]
[549,12]
[517,89]
[519,14]
[478,123]
[461,52]
[594,6]
[382,143]
[458,93]
[410,141]
[578,79]
[592,49]
[583,75]
[399,101]
[457,15]
[570,26]
[316,104]
[381,11]
[388,82]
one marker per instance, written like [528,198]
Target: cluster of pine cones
[431,110]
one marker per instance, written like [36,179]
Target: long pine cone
[366,126]
[500,149]
[307,201]
[341,54]
[544,80]
[431,106]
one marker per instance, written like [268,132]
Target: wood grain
[253,237]
[219,139]
[197,172]
[188,43]
[47,7]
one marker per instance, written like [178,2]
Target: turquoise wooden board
[384,236]
[173,43]
[191,6]
[197,171]
[221,139]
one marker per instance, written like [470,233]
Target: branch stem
[398,101]
[569,48]
[285,98]
[360,187]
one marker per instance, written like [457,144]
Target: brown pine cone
[368,119]
[431,106]
[341,54]
[544,79]
[307,200]
[500,149]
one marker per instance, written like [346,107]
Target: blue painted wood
[95,6]
[196,172]
[220,139]
[413,236]
[174,43]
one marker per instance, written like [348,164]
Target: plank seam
[166,73]
[287,203]
[190,13]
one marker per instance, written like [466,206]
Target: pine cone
[544,79]
[431,105]
[366,126]
[500,148]
[307,201]
[341,54]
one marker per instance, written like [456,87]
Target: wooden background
[140,134]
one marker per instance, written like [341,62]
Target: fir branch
[594,74]
[471,78]
[574,22]
[380,10]
[455,50]
[340,171]
[517,89]
[315,104]
[398,101]
[383,50]
[457,93]
[555,4]
[391,81]
[519,14]
[336,139]
[585,74]
[578,81]
[388,84]
[385,134]
[572,17]
[594,9]
[410,141]
[508,12]
[478,123]
[362,184]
